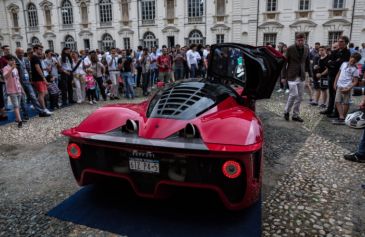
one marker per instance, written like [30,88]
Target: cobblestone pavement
[309,190]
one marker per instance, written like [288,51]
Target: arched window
[107,42]
[47,12]
[34,41]
[32,15]
[149,40]
[70,42]
[14,15]
[66,10]
[105,11]
[196,37]
[84,14]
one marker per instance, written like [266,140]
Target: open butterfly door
[257,69]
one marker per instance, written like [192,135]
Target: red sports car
[196,133]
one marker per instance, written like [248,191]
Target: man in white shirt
[346,78]
[112,61]
[192,57]
[153,66]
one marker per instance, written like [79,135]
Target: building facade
[103,24]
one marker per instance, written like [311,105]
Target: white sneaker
[79,101]
[286,91]
[94,101]
[47,111]
[90,102]
[280,90]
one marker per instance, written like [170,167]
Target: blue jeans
[361,148]
[154,76]
[128,83]
[29,91]
[179,73]
[193,69]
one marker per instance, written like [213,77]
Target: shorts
[343,98]
[316,84]
[324,83]
[40,86]
[15,100]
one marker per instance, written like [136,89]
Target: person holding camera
[125,65]
[112,60]
[65,83]
[13,87]
[164,65]
[3,63]
[320,81]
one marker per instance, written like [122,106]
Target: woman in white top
[112,61]
[78,79]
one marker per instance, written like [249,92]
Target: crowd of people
[323,70]
[48,81]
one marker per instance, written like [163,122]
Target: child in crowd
[346,78]
[90,86]
[320,78]
[53,91]
[13,87]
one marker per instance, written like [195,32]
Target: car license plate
[144,165]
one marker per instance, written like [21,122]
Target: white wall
[240,23]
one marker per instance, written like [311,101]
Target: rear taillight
[231,169]
[74,151]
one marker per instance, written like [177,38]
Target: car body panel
[222,123]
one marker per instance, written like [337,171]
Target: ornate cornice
[16,37]
[125,30]
[85,33]
[220,27]
[336,22]
[170,28]
[45,3]
[303,22]
[49,35]
[272,24]
[79,2]
[13,8]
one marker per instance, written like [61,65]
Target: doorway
[170,41]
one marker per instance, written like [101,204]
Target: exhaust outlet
[131,126]
[189,131]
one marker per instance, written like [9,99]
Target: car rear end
[153,169]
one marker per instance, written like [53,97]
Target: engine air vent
[187,99]
[173,102]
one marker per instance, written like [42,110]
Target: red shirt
[165,62]
[3,62]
